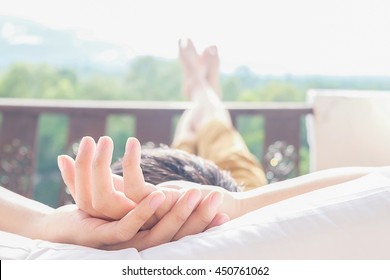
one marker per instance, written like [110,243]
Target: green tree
[37,81]
[275,91]
[149,78]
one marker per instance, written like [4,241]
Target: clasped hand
[144,215]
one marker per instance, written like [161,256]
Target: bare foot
[201,86]
[194,71]
[210,59]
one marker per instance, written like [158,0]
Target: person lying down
[206,150]
[147,199]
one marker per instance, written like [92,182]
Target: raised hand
[101,194]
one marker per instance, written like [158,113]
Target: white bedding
[348,221]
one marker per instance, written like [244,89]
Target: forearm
[21,215]
[279,191]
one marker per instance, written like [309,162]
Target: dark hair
[164,164]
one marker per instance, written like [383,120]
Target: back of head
[166,164]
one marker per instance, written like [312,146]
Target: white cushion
[349,128]
[347,221]
[15,247]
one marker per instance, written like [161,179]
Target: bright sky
[340,37]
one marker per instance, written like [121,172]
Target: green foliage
[37,81]
[52,132]
[251,129]
[152,79]
[100,87]
[50,144]
[231,88]
[280,92]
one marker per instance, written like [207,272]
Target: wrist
[248,202]
[54,225]
[231,205]
[35,226]
[240,204]
[42,226]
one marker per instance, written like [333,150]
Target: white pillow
[348,221]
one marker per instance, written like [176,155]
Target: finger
[67,169]
[218,220]
[202,216]
[134,184]
[171,197]
[118,182]
[126,228]
[143,241]
[105,199]
[170,224]
[83,174]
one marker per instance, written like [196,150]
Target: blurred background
[271,51]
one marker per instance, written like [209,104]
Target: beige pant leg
[224,146]
[187,146]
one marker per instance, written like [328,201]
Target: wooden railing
[154,122]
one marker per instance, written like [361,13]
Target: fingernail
[222,219]
[81,145]
[183,42]
[129,145]
[103,143]
[60,163]
[193,198]
[216,201]
[156,201]
[132,146]
[213,50]
[99,144]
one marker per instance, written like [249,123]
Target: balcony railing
[154,121]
